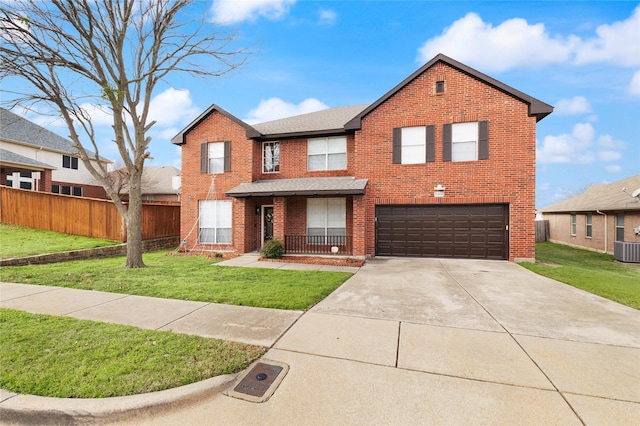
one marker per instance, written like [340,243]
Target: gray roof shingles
[603,197]
[347,185]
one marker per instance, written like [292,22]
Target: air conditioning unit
[626,252]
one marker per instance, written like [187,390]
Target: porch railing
[317,244]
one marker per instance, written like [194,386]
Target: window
[55,189]
[439,86]
[619,226]
[465,141]
[69,162]
[77,191]
[66,190]
[270,157]
[573,224]
[327,153]
[589,227]
[413,145]
[215,222]
[215,157]
[326,220]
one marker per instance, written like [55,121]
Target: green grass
[594,272]
[18,241]
[69,358]
[176,276]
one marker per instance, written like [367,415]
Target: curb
[36,410]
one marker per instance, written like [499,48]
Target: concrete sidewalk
[428,341]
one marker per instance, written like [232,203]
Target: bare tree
[79,55]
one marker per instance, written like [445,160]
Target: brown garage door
[460,231]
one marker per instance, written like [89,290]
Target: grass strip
[68,358]
[19,241]
[591,271]
[185,277]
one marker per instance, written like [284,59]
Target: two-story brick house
[442,165]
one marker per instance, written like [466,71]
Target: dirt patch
[311,260]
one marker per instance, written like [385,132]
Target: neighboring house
[159,183]
[599,216]
[32,157]
[442,165]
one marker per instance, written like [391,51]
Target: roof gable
[179,139]
[537,108]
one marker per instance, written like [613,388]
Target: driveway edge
[35,410]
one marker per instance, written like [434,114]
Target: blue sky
[581,57]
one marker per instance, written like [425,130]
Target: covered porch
[314,216]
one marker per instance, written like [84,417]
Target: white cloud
[618,43]
[234,11]
[513,43]
[581,146]
[327,17]
[516,43]
[634,84]
[574,106]
[171,107]
[613,169]
[275,108]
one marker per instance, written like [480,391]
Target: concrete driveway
[429,341]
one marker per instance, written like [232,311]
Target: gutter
[605,230]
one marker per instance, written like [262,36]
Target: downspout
[605,230]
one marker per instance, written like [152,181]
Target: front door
[267,223]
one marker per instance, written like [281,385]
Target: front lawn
[19,241]
[594,272]
[69,358]
[176,276]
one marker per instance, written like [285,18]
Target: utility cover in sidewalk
[259,382]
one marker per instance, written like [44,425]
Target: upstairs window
[465,141]
[413,145]
[215,157]
[69,162]
[327,153]
[270,157]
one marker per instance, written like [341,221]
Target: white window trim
[264,144]
[327,152]
[215,220]
[413,137]
[461,134]
[210,146]
[341,202]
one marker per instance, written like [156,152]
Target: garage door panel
[465,231]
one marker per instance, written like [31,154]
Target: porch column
[359,225]
[239,225]
[45,181]
[279,218]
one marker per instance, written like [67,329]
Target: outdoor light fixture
[258,210]
[334,249]
[439,191]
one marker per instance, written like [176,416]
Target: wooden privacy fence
[542,231]
[83,216]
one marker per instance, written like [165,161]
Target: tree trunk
[134,224]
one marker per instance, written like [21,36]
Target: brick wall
[508,176]
[560,229]
[201,186]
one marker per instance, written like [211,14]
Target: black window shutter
[446,142]
[227,156]
[74,163]
[204,160]
[483,140]
[397,145]
[431,143]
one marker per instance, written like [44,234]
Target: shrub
[272,249]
